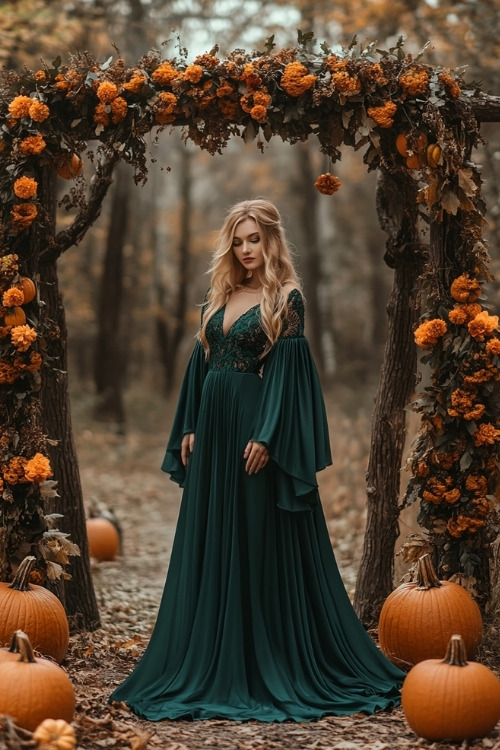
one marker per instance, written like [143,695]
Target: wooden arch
[414,123]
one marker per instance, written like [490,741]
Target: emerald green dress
[254,621]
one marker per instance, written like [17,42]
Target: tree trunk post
[397,210]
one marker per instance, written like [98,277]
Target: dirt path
[123,474]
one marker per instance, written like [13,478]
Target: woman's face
[247,245]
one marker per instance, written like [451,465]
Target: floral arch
[415,123]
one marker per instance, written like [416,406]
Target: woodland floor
[122,473]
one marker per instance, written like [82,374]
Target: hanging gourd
[33,689]
[27,286]
[451,698]
[35,610]
[14,316]
[103,539]
[55,734]
[418,618]
[69,166]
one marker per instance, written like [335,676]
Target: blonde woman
[254,621]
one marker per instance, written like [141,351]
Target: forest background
[132,287]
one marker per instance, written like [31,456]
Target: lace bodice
[240,349]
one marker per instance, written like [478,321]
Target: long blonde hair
[227,272]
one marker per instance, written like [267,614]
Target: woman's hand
[257,456]
[187,447]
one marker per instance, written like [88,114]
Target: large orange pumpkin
[35,610]
[418,619]
[451,699]
[103,539]
[33,689]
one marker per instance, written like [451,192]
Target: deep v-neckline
[236,319]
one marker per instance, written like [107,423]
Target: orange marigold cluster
[483,325]
[414,81]
[107,91]
[14,471]
[135,82]
[465,405]
[296,80]
[438,491]
[493,347]
[193,73]
[23,216]
[450,85]
[34,363]
[38,468]
[165,107]
[374,72]
[164,74]
[39,111]
[486,434]
[463,524]
[119,108]
[250,77]
[20,107]
[22,337]
[25,187]
[429,332]
[32,145]
[384,115]
[8,373]
[462,314]
[327,184]
[465,289]
[13,297]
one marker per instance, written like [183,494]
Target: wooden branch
[486,108]
[86,217]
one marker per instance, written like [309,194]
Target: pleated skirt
[254,622]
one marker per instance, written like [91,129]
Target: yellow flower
[13,297]
[38,111]
[327,184]
[383,116]
[23,216]
[429,332]
[38,468]
[22,337]
[483,325]
[25,187]
[296,80]
[32,145]
[465,289]
[20,107]
[107,92]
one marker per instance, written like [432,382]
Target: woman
[254,621]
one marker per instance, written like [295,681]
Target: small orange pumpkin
[14,316]
[55,734]
[418,619]
[12,652]
[35,610]
[33,689]
[69,166]
[451,699]
[27,286]
[418,145]
[103,539]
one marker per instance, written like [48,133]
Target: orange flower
[429,333]
[327,184]
[207,61]
[165,107]
[414,82]
[23,216]
[107,92]
[486,434]
[25,187]
[346,83]
[34,363]
[483,325]
[38,111]
[493,347]
[464,524]
[40,76]
[13,297]
[465,289]
[32,145]
[22,337]
[38,468]
[225,89]
[259,113]
[476,483]
[20,107]
[119,109]
[136,82]
[164,74]
[193,73]
[450,85]
[101,116]
[251,78]
[8,373]
[383,116]
[452,496]
[296,80]
[14,472]
[462,314]
[375,73]
[463,404]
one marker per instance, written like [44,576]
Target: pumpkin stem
[24,647]
[21,579]
[426,575]
[456,654]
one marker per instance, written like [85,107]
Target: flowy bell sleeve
[186,414]
[291,415]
